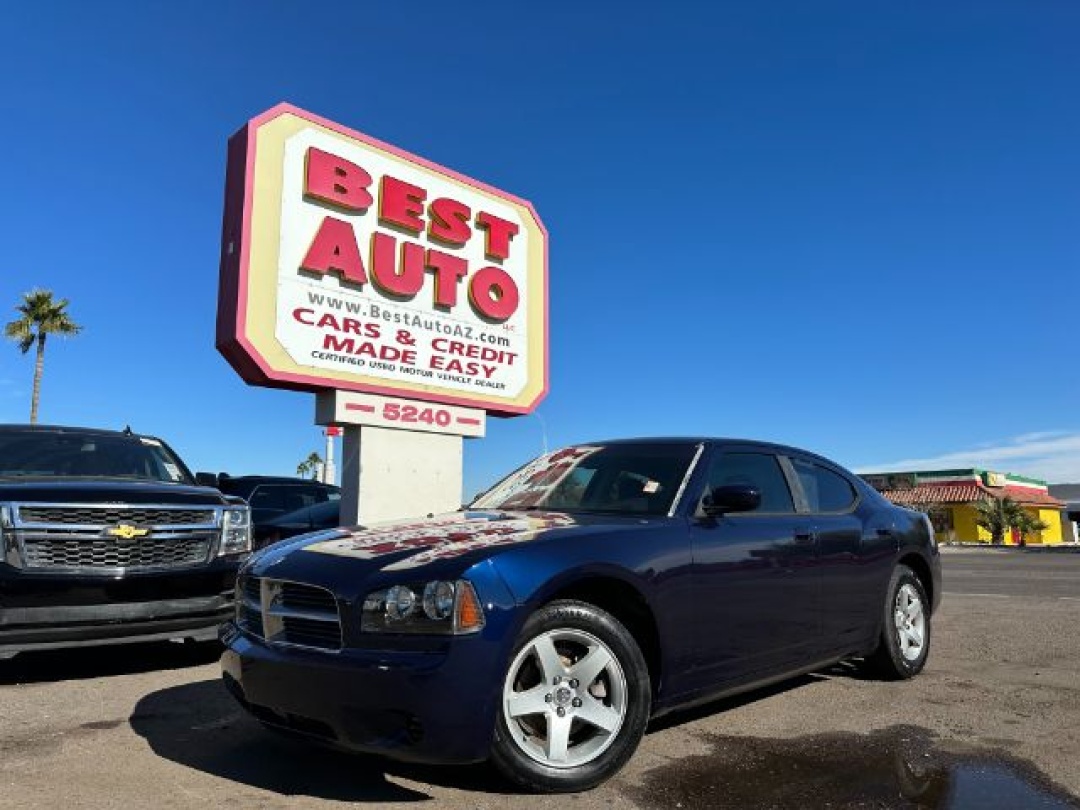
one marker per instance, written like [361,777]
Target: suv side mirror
[205,479]
[731,498]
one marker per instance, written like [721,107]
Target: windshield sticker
[651,487]
[529,485]
[172,470]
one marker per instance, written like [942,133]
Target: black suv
[271,497]
[106,538]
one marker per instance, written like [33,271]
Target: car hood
[80,490]
[443,545]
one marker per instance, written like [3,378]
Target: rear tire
[905,629]
[575,700]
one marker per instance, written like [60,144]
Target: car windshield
[634,478]
[33,454]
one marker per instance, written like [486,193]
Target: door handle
[806,538]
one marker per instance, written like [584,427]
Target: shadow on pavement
[721,705]
[50,666]
[200,726]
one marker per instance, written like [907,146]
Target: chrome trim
[686,480]
[21,532]
[272,613]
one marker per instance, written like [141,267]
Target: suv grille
[84,537]
[290,613]
[111,515]
[147,552]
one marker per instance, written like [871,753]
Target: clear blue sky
[851,226]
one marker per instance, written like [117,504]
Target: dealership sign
[348,264]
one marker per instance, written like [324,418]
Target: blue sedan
[589,591]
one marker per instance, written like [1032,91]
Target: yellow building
[949,497]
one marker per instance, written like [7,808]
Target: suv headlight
[439,606]
[235,530]
[9,551]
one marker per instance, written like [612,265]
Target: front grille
[250,600]
[111,538]
[311,633]
[144,552]
[304,597]
[290,613]
[112,515]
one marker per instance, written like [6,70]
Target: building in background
[950,496]
[1070,516]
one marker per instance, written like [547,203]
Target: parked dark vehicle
[105,538]
[323,515]
[592,589]
[270,497]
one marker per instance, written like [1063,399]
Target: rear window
[825,490]
[285,498]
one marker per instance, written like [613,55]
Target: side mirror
[731,498]
[205,479]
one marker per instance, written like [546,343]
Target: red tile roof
[935,493]
[968,493]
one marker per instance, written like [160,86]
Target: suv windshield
[88,455]
[626,478]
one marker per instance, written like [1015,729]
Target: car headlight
[235,530]
[439,606]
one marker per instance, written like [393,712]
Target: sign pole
[392,468]
[329,469]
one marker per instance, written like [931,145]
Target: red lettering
[449,270]
[329,320]
[384,266]
[449,222]
[334,250]
[299,312]
[331,179]
[332,344]
[499,233]
[401,204]
[493,294]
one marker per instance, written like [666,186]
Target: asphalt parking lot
[994,721]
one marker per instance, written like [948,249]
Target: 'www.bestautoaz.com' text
[376,312]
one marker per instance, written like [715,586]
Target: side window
[302,497]
[825,490]
[268,498]
[760,470]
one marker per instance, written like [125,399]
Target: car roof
[82,431]
[274,479]
[714,441]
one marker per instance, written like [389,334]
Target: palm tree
[311,464]
[1029,524]
[39,316]
[997,516]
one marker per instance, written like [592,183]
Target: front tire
[905,633]
[576,698]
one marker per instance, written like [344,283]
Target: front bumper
[420,706]
[45,611]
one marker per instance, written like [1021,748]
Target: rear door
[755,579]
[831,502]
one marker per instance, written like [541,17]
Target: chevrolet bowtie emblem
[125,531]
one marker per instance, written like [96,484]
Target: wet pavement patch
[898,767]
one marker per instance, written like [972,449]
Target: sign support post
[400,458]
